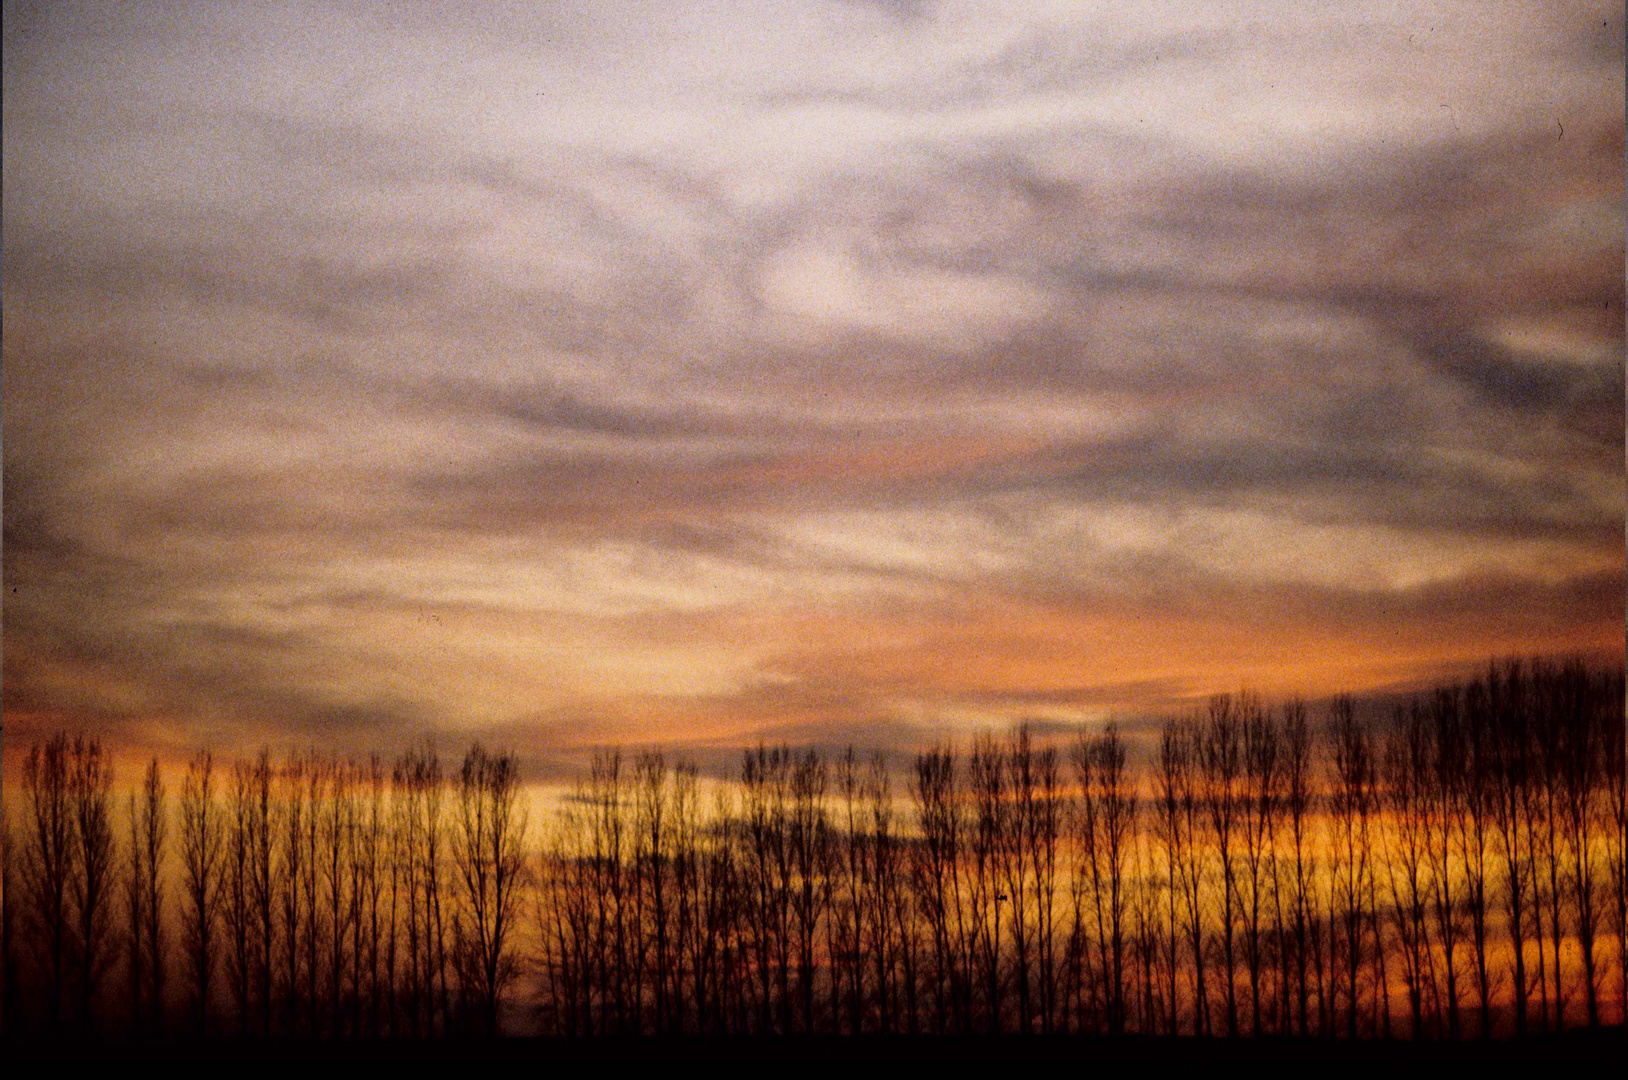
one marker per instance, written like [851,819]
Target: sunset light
[696,378]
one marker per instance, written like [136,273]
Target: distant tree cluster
[1456,870]
[315,899]
[1459,865]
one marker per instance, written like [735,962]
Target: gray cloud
[317,320]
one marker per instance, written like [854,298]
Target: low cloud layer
[861,372]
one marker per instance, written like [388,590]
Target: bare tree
[335,823]
[357,865]
[1506,686]
[48,865]
[562,925]
[1352,782]
[1298,803]
[1221,766]
[11,903]
[401,865]
[1613,754]
[376,870]
[1474,829]
[1116,790]
[489,853]
[1018,868]
[1548,732]
[237,907]
[135,896]
[722,903]
[933,795]
[1166,834]
[847,911]
[292,867]
[203,847]
[144,888]
[90,882]
[987,772]
[419,819]
[607,829]
[890,922]
[808,828]
[651,861]
[154,834]
[1407,777]
[434,855]
[764,786]
[1046,835]
[1145,946]
[1272,806]
[1582,706]
[688,867]
[1180,810]
[407,808]
[317,773]
[1107,807]
[263,884]
[1444,790]
[1258,809]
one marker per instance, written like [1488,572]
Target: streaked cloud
[842,371]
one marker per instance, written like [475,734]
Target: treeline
[1459,865]
[1454,870]
[313,898]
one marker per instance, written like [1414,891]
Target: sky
[694,375]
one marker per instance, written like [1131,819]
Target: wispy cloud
[859,372]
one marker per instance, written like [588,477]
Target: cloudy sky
[876,371]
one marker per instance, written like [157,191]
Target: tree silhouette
[1179,751]
[1107,810]
[11,903]
[91,870]
[1298,778]
[1352,782]
[1475,828]
[1407,774]
[1444,799]
[1506,696]
[1258,811]
[261,825]
[1221,767]
[47,866]
[1468,848]
[1613,755]
[488,850]
[203,846]
[987,768]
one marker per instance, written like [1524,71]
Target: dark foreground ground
[1607,1047]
